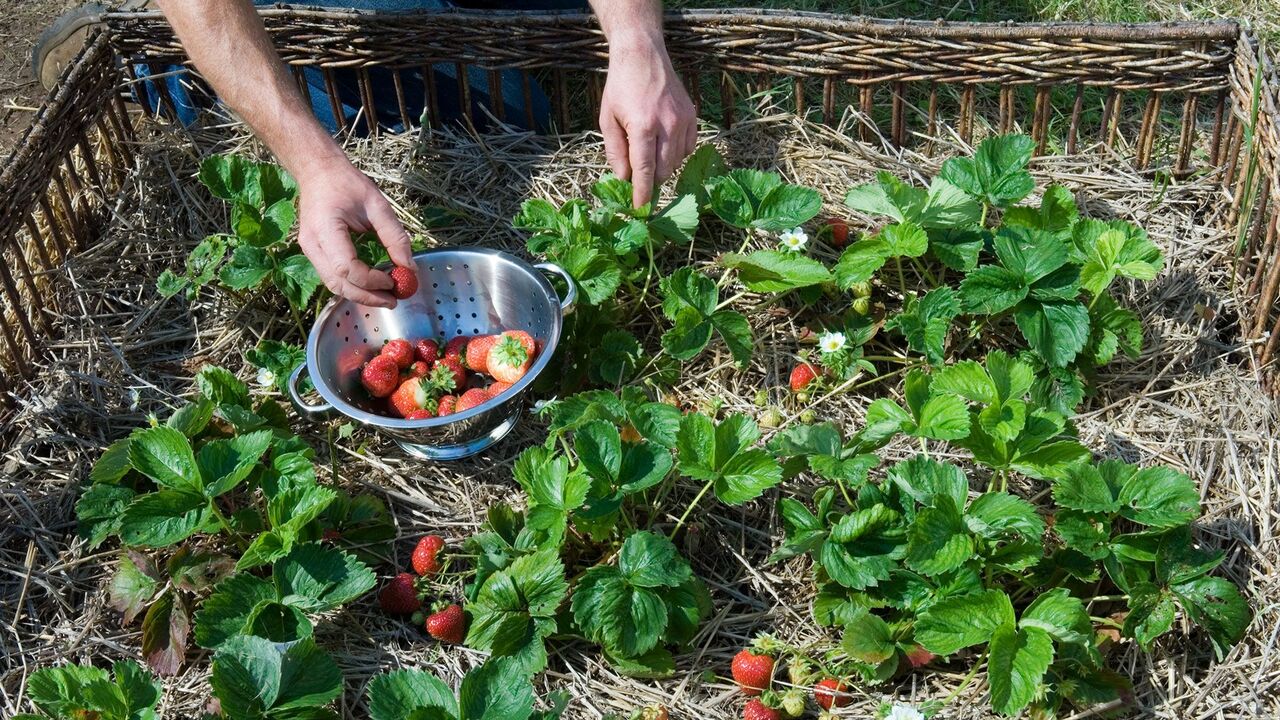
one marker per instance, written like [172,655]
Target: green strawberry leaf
[1057,213]
[498,690]
[925,322]
[943,205]
[996,174]
[868,638]
[938,540]
[255,678]
[1018,660]
[224,464]
[777,271]
[165,455]
[163,518]
[704,164]
[398,694]
[964,621]
[1216,605]
[863,547]
[315,578]
[1056,330]
[722,455]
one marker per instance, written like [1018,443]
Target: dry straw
[113,352]
[1189,401]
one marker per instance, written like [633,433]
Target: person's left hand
[646,117]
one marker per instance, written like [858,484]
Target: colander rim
[516,390]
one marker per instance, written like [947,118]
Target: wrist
[638,44]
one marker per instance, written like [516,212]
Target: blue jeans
[382,84]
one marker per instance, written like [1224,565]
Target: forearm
[229,45]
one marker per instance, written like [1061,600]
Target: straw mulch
[1190,401]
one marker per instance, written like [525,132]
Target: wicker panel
[1181,57]
[53,188]
[1252,178]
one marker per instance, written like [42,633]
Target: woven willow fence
[1167,98]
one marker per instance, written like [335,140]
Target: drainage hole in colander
[346,339]
[448,267]
[455,299]
[365,341]
[466,267]
[348,312]
[473,314]
[440,317]
[338,324]
[452,283]
[437,301]
[435,285]
[375,329]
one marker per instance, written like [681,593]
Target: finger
[363,296]
[363,276]
[390,232]
[643,156]
[670,153]
[691,142]
[615,145]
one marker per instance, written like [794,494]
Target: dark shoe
[62,41]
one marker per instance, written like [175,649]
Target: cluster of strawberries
[421,380]
[402,596]
[753,669]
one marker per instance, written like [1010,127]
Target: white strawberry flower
[830,342]
[794,239]
[540,405]
[266,378]
[904,712]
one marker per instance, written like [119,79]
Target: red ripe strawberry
[419,369]
[426,555]
[509,360]
[447,405]
[477,354]
[406,281]
[839,230]
[801,375]
[411,396]
[471,398]
[448,625]
[400,351]
[380,376]
[752,672]
[756,710]
[830,692]
[454,366]
[497,389]
[427,350]
[526,340]
[400,596]
[419,415]
[455,347]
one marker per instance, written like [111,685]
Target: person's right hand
[334,200]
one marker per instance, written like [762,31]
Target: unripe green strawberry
[807,417]
[799,670]
[792,702]
[861,290]
[862,305]
[762,398]
[770,418]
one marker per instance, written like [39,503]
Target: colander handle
[571,295]
[303,407]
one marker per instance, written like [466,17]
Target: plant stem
[983,220]
[692,505]
[226,526]
[731,300]
[967,679]
[902,278]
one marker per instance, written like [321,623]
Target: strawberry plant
[221,485]
[918,558]
[497,689]
[74,692]
[257,251]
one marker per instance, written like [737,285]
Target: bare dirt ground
[20,24]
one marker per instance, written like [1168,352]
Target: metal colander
[461,291]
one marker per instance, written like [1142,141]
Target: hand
[336,199]
[646,117]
